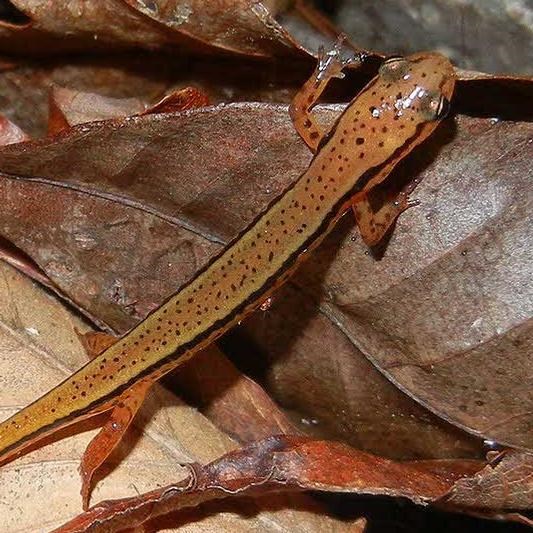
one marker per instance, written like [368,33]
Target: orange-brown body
[395,112]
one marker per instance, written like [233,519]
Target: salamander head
[422,86]
[399,108]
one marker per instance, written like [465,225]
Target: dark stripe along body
[395,112]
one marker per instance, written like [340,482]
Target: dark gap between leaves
[9,14]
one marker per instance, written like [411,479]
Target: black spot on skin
[359,140]
[270,256]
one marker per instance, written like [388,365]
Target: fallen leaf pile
[137,138]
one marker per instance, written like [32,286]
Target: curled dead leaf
[278,463]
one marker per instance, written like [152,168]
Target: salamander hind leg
[95,342]
[330,65]
[103,444]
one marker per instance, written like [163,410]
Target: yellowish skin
[395,112]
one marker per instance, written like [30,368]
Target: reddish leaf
[234,402]
[182,100]
[277,463]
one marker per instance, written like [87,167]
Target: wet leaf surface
[420,313]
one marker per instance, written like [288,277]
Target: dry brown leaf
[231,400]
[238,26]
[210,193]
[38,348]
[10,133]
[69,108]
[279,463]
[505,483]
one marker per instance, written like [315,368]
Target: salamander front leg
[373,225]
[330,65]
[99,449]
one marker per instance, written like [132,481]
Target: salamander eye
[394,68]
[435,106]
